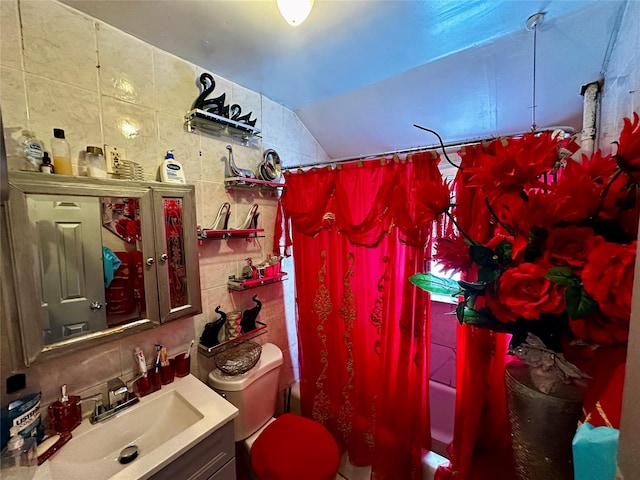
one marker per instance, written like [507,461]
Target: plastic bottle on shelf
[31,150]
[171,171]
[61,153]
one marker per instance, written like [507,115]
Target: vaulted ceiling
[361,73]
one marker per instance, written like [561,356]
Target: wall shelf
[206,234]
[201,120]
[243,337]
[239,284]
[251,183]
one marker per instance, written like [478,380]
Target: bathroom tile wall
[62,69]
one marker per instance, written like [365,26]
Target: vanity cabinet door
[176,256]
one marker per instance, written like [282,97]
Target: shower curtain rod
[460,143]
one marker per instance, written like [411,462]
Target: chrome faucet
[97,408]
[120,397]
[118,392]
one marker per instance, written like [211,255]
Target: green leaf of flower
[488,274]
[460,310]
[562,276]
[579,303]
[473,286]
[504,251]
[483,256]
[435,284]
[483,318]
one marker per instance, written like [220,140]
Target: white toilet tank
[254,393]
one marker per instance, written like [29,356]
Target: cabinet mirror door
[178,277]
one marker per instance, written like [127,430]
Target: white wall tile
[58,105]
[59,44]
[14,113]
[176,83]
[10,41]
[135,129]
[126,67]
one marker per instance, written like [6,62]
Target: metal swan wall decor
[232,170]
[216,105]
[270,168]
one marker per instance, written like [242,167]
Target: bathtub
[442,405]
[442,410]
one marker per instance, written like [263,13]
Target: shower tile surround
[60,68]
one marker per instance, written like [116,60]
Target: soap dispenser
[65,414]
[20,459]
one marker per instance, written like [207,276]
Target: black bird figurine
[211,330]
[248,322]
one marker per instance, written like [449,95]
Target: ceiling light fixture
[295,11]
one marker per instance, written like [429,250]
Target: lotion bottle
[171,171]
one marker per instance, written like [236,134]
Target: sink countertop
[215,410]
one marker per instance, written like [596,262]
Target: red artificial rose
[570,247]
[628,154]
[525,292]
[608,278]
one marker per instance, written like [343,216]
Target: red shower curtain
[359,232]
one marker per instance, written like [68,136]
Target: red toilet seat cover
[295,448]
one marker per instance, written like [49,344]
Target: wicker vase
[542,425]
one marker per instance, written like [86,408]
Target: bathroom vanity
[184,430]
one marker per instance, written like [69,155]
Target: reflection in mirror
[122,260]
[89,251]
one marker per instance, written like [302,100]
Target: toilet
[289,447]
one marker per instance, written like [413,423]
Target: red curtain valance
[331,200]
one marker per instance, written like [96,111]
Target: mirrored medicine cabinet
[96,259]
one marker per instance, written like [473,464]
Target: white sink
[162,425]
